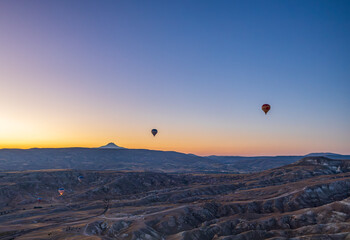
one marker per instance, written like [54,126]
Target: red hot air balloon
[61,191]
[266,108]
[154,132]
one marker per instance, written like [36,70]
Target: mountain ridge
[111,145]
[117,158]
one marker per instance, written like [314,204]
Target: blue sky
[84,73]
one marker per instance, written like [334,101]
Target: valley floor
[306,200]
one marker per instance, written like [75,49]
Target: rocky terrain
[308,199]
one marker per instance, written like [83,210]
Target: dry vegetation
[306,200]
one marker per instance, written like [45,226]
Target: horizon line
[123,148]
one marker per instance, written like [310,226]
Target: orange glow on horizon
[73,78]
[53,132]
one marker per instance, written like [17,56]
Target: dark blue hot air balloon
[154,132]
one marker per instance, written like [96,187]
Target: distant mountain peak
[321,154]
[111,145]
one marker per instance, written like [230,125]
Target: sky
[85,73]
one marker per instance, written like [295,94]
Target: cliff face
[309,199]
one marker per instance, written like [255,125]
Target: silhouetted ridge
[111,157]
[111,145]
[322,154]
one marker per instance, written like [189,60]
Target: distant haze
[112,157]
[84,73]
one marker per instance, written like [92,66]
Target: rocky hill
[309,199]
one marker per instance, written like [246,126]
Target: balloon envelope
[80,178]
[266,108]
[61,191]
[154,132]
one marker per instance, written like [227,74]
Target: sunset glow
[78,74]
